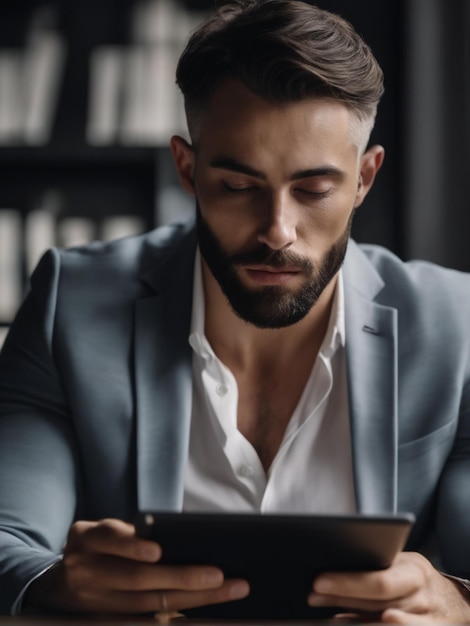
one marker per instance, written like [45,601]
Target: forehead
[239,121]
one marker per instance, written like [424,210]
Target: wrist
[39,597]
[462,584]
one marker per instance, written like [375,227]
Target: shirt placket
[222,392]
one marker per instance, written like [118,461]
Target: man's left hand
[410,591]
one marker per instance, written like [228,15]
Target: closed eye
[231,189]
[315,194]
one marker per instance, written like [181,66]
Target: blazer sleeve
[38,459]
[453,510]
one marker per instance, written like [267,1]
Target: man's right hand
[107,569]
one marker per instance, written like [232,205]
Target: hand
[410,591]
[107,569]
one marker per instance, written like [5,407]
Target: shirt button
[221,390]
[246,471]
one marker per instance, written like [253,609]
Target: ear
[183,156]
[371,162]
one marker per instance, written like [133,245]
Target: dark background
[419,204]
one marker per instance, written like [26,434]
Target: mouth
[267,275]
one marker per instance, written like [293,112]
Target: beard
[271,306]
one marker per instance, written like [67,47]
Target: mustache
[277,259]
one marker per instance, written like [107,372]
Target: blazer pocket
[420,464]
[428,443]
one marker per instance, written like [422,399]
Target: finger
[347,603]
[403,578]
[111,536]
[184,578]
[355,618]
[234,589]
[91,571]
[134,602]
[396,616]
[348,618]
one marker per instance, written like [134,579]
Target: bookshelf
[87,105]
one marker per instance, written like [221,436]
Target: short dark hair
[283,51]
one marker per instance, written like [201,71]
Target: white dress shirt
[312,470]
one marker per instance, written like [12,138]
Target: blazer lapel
[163,381]
[371,349]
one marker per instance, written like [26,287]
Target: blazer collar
[163,374]
[371,356]
[168,257]
[360,274]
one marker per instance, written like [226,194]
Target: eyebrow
[227,163]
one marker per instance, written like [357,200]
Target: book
[75,231]
[10,263]
[11,96]
[43,72]
[3,334]
[105,94]
[40,235]
[118,226]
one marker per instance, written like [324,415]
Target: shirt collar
[197,338]
[334,338]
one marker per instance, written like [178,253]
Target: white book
[75,231]
[10,263]
[151,113]
[11,97]
[136,78]
[186,23]
[40,235]
[179,116]
[153,106]
[155,21]
[161,95]
[44,67]
[105,94]
[118,226]
[3,334]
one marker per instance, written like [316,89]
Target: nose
[278,229]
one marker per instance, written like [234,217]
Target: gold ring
[165,616]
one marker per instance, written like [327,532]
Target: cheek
[326,223]
[227,212]
[231,225]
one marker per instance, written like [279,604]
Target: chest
[277,455]
[263,416]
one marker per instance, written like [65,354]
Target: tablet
[279,555]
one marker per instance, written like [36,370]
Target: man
[257,361]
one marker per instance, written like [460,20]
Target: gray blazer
[95,395]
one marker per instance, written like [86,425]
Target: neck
[243,346]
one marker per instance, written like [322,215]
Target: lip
[265,275]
